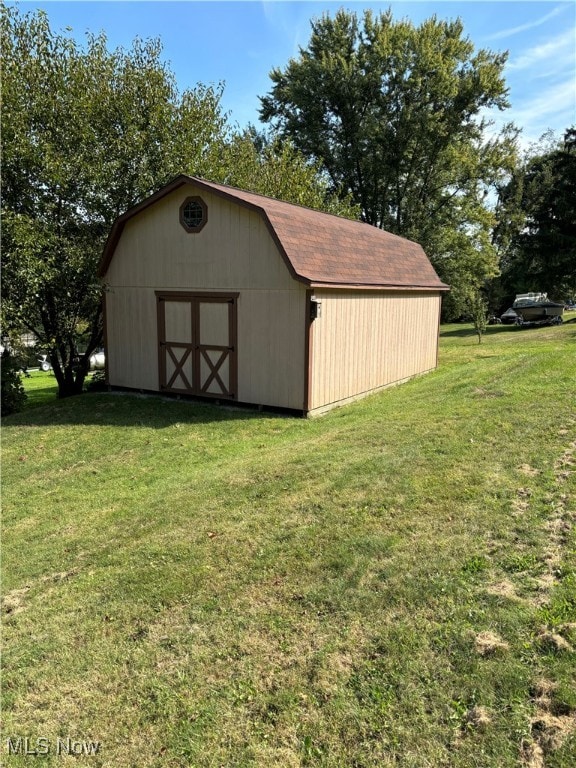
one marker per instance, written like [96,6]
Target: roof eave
[377,286]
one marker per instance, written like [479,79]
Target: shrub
[97,382]
[13,394]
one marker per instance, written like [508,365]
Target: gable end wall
[233,252]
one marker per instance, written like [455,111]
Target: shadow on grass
[467,331]
[133,409]
[41,396]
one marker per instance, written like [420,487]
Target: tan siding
[271,348]
[132,338]
[270,344]
[364,341]
[234,251]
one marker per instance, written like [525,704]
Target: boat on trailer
[537,308]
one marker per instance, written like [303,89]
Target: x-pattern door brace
[192,369]
[214,368]
[178,366]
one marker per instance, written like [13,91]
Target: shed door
[197,344]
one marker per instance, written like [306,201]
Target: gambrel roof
[319,249]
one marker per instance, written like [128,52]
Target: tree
[85,134]
[537,221]
[273,167]
[396,116]
[478,309]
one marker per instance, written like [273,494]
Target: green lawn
[40,387]
[393,584]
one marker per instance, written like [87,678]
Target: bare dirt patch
[503,588]
[532,755]
[554,641]
[479,718]
[565,465]
[526,469]
[13,602]
[487,393]
[549,730]
[489,643]
[61,576]
[522,501]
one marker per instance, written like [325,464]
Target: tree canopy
[396,115]
[537,222]
[87,133]
[274,167]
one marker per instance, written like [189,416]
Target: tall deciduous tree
[85,134]
[396,115]
[273,167]
[537,221]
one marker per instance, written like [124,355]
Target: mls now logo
[27,746]
[24,745]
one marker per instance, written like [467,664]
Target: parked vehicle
[510,317]
[44,363]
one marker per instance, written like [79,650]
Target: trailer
[551,320]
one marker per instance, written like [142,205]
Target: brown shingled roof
[319,248]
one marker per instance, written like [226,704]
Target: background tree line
[376,119]
[536,222]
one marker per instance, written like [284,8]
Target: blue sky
[239,42]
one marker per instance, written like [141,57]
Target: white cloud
[551,101]
[530,25]
[556,50]
[551,108]
[290,20]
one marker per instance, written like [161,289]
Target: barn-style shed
[216,292]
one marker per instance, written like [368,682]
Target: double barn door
[197,343]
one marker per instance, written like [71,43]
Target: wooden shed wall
[233,252]
[365,340]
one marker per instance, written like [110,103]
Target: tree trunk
[70,368]
[71,376]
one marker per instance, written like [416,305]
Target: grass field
[40,387]
[393,584]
